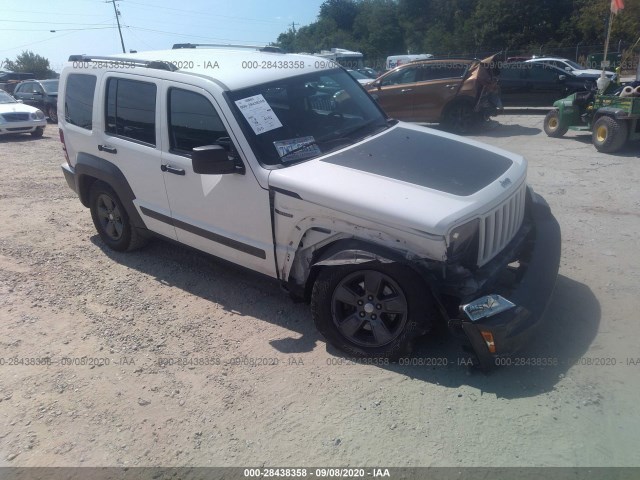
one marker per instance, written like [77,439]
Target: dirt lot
[64,296]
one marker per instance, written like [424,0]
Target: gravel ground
[194,362]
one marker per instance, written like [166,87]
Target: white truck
[284,165]
[394,61]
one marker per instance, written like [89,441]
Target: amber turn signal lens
[488,339]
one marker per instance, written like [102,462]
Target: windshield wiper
[363,126]
[297,149]
[318,142]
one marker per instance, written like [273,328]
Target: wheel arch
[352,251]
[615,113]
[457,100]
[90,169]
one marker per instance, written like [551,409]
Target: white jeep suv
[285,165]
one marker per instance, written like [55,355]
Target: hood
[408,177]
[590,72]
[16,107]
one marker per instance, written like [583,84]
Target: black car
[532,84]
[42,94]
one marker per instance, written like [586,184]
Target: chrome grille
[15,117]
[498,227]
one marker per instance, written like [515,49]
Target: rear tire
[552,125]
[609,135]
[111,219]
[459,117]
[373,310]
[52,113]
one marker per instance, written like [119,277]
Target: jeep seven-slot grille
[15,117]
[498,227]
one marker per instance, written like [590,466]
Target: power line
[193,36]
[52,23]
[201,13]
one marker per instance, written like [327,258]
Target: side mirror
[213,160]
[568,69]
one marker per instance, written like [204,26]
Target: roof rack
[261,48]
[157,64]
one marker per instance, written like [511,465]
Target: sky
[89,26]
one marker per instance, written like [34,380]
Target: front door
[229,215]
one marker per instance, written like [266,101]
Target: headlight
[463,243]
[37,115]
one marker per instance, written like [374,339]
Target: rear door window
[131,110]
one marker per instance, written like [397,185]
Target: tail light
[64,146]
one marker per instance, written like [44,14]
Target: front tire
[38,132]
[374,310]
[111,219]
[552,125]
[609,135]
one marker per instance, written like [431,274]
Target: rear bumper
[494,335]
[70,176]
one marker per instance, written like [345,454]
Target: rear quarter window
[78,100]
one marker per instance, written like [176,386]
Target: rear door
[438,83]
[25,92]
[131,140]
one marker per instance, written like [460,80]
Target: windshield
[298,118]
[50,86]
[6,98]
[357,75]
[574,65]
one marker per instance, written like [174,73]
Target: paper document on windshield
[259,114]
[297,148]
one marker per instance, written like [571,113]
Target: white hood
[408,177]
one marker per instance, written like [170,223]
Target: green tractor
[613,120]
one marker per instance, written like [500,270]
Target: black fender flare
[613,112]
[90,168]
[352,251]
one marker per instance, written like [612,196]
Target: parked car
[360,77]
[539,84]
[42,94]
[369,72]
[386,228]
[570,66]
[16,117]
[435,91]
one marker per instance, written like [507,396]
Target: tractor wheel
[609,135]
[552,125]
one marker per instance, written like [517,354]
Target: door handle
[406,90]
[451,86]
[107,149]
[170,169]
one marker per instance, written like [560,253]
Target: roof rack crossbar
[262,48]
[157,64]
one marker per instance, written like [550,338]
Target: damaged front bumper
[499,321]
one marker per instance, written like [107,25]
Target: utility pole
[293,26]
[118,20]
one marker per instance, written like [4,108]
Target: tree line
[379,28]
